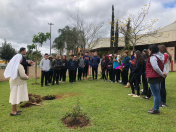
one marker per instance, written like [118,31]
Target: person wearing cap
[50,76]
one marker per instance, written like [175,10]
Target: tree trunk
[36,66]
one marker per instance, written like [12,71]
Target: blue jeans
[155,88]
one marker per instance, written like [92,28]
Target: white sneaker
[136,96]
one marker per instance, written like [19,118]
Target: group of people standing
[152,65]
[54,70]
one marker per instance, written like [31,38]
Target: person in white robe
[18,87]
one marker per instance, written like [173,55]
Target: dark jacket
[87,58]
[95,61]
[137,69]
[126,62]
[57,64]
[110,63]
[72,65]
[64,64]
[103,64]
[25,64]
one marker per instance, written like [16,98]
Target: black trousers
[80,72]
[56,76]
[145,84]
[103,74]
[163,91]
[85,71]
[116,75]
[44,76]
[75,71]
[94,70]
[71,75]
[63,75]
[125,77]
[50,76]
[110,72]
[135,81]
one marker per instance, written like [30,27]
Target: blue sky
[170,4]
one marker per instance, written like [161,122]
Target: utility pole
[50,35]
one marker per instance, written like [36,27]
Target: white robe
[18,87]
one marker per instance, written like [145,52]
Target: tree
[139,27]
[40,39]
[29,53]
[7,51]
[116,37]
[59,44]
[127,34]
[112,30]
[89,30]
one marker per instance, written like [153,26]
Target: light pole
[50,35]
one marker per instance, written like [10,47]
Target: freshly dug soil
[49,97]
[33,100]
[81,121]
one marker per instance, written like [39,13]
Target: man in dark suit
[24,62]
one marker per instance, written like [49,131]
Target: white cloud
[21,19]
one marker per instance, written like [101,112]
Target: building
[166,36]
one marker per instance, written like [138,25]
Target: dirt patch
[67,95]
[33,100]
[49,97]
[80,121]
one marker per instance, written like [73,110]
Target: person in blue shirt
[126,65]
[116,70]
[71,67]
[87,59]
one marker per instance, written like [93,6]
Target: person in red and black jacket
[167,60]
[155,75]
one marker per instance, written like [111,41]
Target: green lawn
[108,106]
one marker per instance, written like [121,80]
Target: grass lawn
[107,105]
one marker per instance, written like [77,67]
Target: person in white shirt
[45,66]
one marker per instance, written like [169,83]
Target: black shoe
[19,111]
[161,104]
[164,105]
[145,97]
[15,114]
[152,111]
[143,93]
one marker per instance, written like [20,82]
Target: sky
[21,19]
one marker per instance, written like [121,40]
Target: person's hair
[146,52]
[82,54]
[154,49]
[144,56]
[126,51]
[111,57]
[133,53]
[163,49]
[65,57]
[139,57]
[46,54]
[57,56]
[87,52]
[72,55]
[22,49]
[104,56]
